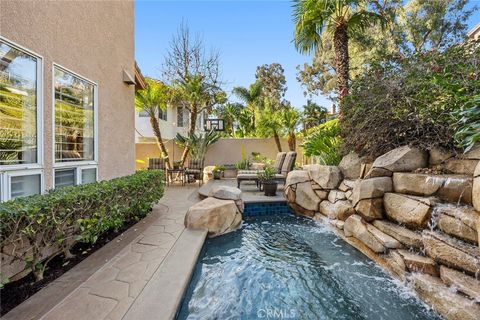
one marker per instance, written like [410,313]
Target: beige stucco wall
[96,40]
[225,151]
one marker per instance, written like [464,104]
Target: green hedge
[58,219]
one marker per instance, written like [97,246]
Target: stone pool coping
[250,193]
[124,280]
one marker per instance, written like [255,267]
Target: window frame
[78,173]
[73,164]
[6,181]
[39,111]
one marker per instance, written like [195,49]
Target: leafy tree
[230,113]
[273,80]
[251,97]
[340,19]
[313,115]
[151,100]
[195,75]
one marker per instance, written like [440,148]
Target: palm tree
[196,95]
[290,121]
[251,97]
[151,100]
[341,18]
[269,123]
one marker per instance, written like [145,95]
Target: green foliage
[313,115]
[323,143]
[267,174]
[413,101]
[199,144]
[412,26]
[468,127]
[56,220]
[243,164]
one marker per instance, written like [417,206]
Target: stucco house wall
[94,39]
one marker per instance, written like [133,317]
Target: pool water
[287,267]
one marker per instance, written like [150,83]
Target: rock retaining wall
[424,226]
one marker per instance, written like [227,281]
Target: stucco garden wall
[225,151]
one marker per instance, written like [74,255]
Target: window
[162,114]
[143,114]
[74,176]
[182,117]
[20,183]
[20,117]
[74,117]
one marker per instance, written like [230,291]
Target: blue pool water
[285,267]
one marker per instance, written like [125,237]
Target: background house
[67,84]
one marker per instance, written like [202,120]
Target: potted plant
[217,172]
[266,177]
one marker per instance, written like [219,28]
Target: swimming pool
[287,267]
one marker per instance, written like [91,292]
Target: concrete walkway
[164,253]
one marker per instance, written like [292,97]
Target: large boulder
[439,155]
[461,282]
[225,193]
[402,159]
[446,302]
[336,195]
[417,263]
[297,176]
[460,166]
[370,209]
[327,177]
[460,222]
[351,165]
[371,188]
[340,210]
[451,252]
[412,211]
[476,188]
[452,188]
[407,237]
[373,238]
[215,215]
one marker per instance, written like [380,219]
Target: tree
[340,18]
[290,120]
[196,95]
[230,113]
[251,97]
[151,100]
[413,26]
[313,115]
[273,80]
[269,123]
[195,74]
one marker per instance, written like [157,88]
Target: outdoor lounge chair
[195,169]
[285,164]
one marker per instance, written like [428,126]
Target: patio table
[180,173]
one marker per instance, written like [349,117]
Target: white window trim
[6,179]
[78,172]
[74,164]
[40,159]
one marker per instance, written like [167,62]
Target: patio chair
[195,169]
[156,164]
[287,166]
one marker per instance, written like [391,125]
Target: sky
[246,34]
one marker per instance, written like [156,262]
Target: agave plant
[199,144]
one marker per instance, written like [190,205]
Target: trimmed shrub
[411,101]
[35,229]
[323,143]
